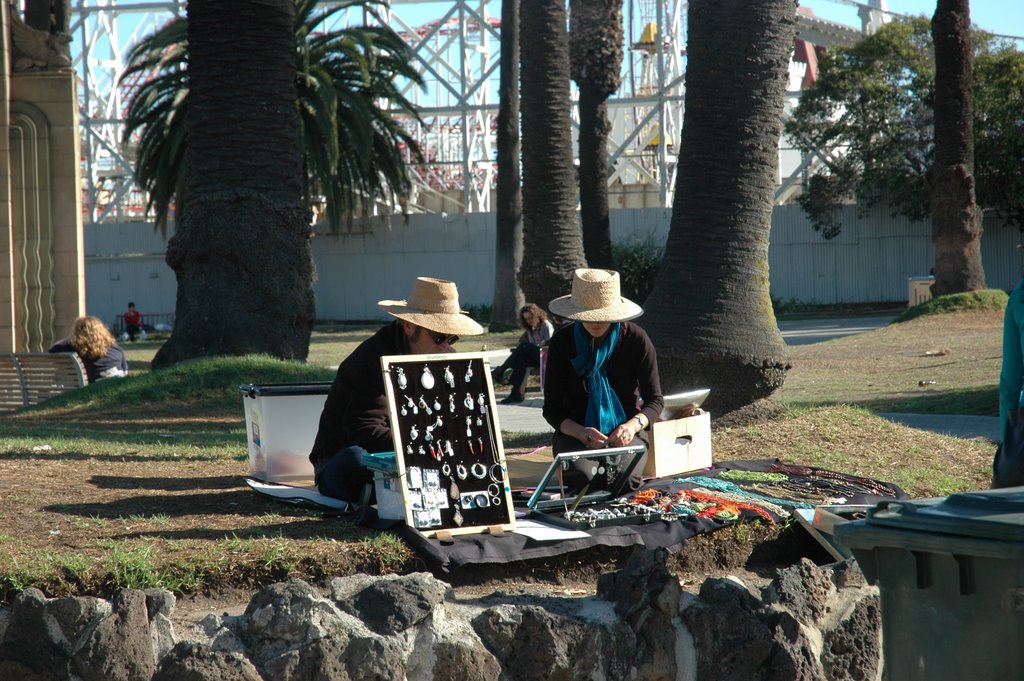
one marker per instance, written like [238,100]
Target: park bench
[31,377]
[150,322]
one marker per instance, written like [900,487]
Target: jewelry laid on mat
[468,401]
[448,378]
[401,380]
[413,433]
[451,403]
[423,404]
[427,378]
[469,373]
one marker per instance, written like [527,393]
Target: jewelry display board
[451,463]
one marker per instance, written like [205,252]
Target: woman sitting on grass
[94,344]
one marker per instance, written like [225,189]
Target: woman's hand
[623,434]
[592,438]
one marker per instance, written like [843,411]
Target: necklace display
[448,437]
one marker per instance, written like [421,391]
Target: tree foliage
[355,150]
[870,119]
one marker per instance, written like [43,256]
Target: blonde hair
[90,338]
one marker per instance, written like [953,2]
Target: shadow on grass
[232,502]
[127,457]
[973,402]
[121,482]
[970,402]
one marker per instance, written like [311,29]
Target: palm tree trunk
[242,252]
[595,51]
[710,313]
[508,247]
[956,218]
[552,245]
[593,144]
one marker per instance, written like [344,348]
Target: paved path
[805,331]
[957,425]
[526,417]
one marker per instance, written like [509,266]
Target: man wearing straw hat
[355,416]
[601,387]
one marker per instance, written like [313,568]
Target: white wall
[376,259]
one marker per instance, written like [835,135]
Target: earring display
[452,471]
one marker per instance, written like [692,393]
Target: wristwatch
[640,419]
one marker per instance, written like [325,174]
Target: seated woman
[526,355]
[94,344]
[601,385]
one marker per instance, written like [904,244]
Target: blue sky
[1005,17]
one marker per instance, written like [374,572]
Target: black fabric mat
[469,549]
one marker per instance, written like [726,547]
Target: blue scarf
[604,411]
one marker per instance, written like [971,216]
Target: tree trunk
[508,247]
[710,313]
[552,246]
[242,252]
[595,51]
[956,218]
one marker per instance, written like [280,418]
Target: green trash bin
[950,574]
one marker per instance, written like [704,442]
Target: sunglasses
[441,338]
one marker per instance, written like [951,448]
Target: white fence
[869,262]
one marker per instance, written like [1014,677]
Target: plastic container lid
[276,389]
[989,514]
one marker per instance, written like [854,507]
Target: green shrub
[637,263]
[973,301]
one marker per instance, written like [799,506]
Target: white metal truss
[456,47]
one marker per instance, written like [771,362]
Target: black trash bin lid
[989,514]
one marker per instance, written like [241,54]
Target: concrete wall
[869,262]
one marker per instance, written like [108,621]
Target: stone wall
[809,624]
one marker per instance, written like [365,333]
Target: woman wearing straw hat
[601,385]
[355,417]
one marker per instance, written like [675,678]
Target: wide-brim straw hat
[595,297]
[434,305]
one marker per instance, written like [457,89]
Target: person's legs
[526,357]
[343,476]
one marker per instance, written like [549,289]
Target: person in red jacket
[133,323]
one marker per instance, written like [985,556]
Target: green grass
[137,482]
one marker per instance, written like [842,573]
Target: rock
[852,650]
[192,661]
[160,606]
[456,660]
[119,648]
[394,603]
[731,641]
[27,650]
[804,589]
[285,616]
[536,644]
[647,595]
[793,657]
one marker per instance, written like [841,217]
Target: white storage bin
[281,421]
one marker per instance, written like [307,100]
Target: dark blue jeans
[524,357]
[343,476]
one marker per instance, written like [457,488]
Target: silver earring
[448,378]
[412,405]
[451,403]
[401,378]
[404,411]
[469,372]
[468,401]
[448,448]
[423,403]
[482,403]
[479,421]
[437,405]
[469,422]
[427,378]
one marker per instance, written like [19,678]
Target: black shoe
[513,398]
